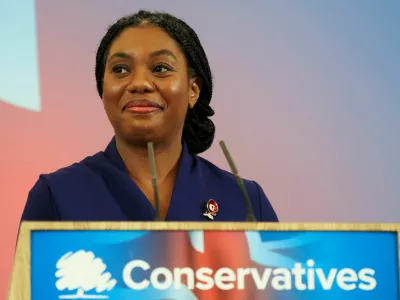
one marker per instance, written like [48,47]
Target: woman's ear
[194,91]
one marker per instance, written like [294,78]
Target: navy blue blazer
[99,189]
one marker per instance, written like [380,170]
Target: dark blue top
[99,189]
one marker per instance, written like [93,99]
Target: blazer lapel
[126,193]
[188,196]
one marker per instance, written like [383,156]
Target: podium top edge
[193,226]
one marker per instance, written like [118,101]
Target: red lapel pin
[211,209]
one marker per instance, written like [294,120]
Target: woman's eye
[120,69]
[161,69]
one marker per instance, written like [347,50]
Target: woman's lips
[142,106]
[142,109]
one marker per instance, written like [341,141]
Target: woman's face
[146,89]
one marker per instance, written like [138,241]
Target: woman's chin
[144,134]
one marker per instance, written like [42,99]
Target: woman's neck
[135,158]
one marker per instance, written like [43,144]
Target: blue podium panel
[214,264]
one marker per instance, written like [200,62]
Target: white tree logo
[82,271]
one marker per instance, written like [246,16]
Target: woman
[156,85]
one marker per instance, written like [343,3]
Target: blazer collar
[185,163]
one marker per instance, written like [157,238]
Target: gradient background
[307,98]
[260,250]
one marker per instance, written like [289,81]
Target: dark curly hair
[198,130]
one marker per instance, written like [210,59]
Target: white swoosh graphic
[263,252]
[19,73]
[197,240]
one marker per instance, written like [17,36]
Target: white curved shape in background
[197,240]
[19,59]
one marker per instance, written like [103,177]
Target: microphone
[152,159]
[250,214]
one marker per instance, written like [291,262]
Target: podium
[210,260]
